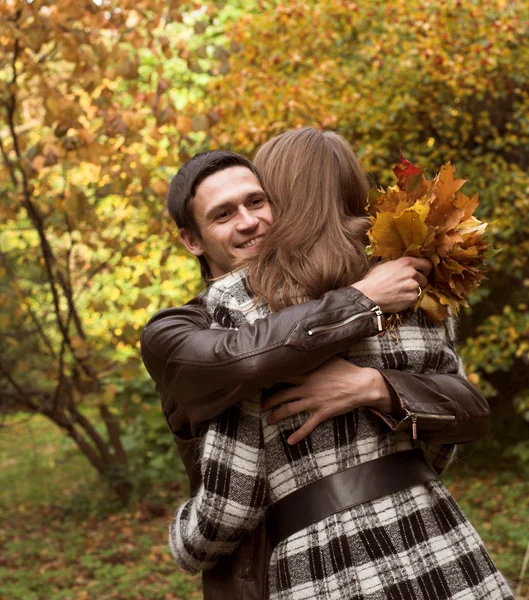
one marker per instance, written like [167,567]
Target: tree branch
[58,389]
[20,395]
[8,163]
[49,258]
[121,251]
[113,431]
[33,316]
[78,418]
[85,448]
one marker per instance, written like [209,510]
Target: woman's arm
[439,407]
[232,497]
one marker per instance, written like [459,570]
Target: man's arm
[197,388]
[439,407]
[201,372]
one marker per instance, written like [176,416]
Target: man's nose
[247,221]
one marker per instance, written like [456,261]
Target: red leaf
[403,170]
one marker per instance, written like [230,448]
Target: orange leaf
[468,205]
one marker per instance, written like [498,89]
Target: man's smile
[251,242]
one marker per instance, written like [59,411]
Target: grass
[63,537]
[494,494]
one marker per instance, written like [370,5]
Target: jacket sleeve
[445,406]
[232,497]
[201,372]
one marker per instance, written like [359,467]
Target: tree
[441,81]
[90,133]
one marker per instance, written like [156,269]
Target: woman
[413,543]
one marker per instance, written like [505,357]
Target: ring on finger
[419,292]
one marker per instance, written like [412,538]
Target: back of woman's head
[318,193]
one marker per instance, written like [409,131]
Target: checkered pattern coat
[412,544]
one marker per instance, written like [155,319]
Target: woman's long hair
[318,193]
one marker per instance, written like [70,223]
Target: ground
[62,538]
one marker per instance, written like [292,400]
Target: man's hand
[334,388]
[394,285]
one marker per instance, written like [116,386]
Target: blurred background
[100,102]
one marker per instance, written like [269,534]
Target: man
[219,205]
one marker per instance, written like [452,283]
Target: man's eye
[222,216]
[257,202]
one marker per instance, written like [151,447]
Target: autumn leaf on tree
[431,219]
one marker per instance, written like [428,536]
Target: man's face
[233,214]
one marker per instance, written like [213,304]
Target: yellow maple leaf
[399,234]
[435,311]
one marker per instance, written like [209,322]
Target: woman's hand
[394,285]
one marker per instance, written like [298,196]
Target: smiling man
[232,214]
[218,202]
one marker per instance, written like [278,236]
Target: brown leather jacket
[201,372]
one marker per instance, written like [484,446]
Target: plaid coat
[412,544]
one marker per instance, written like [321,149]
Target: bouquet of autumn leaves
[434,220]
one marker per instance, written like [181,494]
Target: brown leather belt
[340,491]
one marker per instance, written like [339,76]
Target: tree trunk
[108,464]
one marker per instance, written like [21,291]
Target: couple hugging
[313,442]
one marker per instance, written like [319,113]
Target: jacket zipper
[323,328]
[414,416]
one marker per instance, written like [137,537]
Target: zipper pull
[413,417]
[378,312]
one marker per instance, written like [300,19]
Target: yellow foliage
[445,80]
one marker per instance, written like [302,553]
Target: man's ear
[192,242]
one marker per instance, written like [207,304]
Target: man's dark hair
[189,177]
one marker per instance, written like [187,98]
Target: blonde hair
[318,192]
